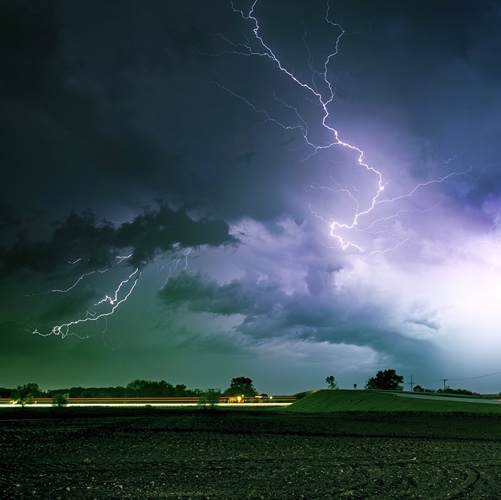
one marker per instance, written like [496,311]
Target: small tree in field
[386,380]
[210,398]
[331,382]
[59,400]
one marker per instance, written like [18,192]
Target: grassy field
[325,401]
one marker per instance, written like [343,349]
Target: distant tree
[464,392]
[331,382]
[135,388]
[210,398]
[24,394]
[355,386]
[240,386]
[418,388]
[148,388]
[76,392]
[385,380]
[90,392]
[182,390]
[5,393]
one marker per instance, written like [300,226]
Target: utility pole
[445,380]
[411,383]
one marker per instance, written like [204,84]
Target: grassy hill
[326,401]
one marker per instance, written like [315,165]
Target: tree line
[136,389]
[389,380]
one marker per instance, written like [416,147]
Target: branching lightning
[109,303]
[322,94]
[173,265]
[65,329]
[119,258]
[106,306]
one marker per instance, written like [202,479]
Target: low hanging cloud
[317,312]
[199,293]
[90,243]
[295,294]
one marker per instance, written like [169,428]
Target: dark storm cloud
[9,224]
[91,243]
[49,130]
[159,230]
[125,111]
[111,105]
[79,235]
[198,292]
[420,66]
[8,217]
[269,312]
[28,39]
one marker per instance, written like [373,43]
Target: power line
[479,376]
[463,378]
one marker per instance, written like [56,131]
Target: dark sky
[194,191]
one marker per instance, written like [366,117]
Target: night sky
[194,191]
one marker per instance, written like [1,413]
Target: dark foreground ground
[140,454]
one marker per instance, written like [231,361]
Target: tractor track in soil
[245,454]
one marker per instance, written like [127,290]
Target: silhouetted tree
[24,394]
[387,380]
[331,382]
[240,386]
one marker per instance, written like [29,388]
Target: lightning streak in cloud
[110,302]
[324,98]
[324,102]
[65,329]
[172,267]
[120,259]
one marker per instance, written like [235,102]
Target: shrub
[59,400]
[210,398]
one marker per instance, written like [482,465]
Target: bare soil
[146,453]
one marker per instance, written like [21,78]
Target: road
[451,398]
[156,405]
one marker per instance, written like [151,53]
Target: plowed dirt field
[150,453]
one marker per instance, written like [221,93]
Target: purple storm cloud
[285,191]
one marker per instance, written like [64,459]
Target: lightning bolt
[109,303]
[121,294]
[119,258]
[322,93]
[174,264]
